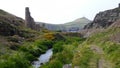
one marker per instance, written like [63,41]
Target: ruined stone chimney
[29,20]
[119,5]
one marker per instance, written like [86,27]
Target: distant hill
[78,23]
[53,27]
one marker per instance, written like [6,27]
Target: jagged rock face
[29,20]
[104,19]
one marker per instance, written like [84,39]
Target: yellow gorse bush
[49,36]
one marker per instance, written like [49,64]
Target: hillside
[18,44]
[53,27]
[100,50]
[108,41]
[12,19]
[105,18]
[76,24]
[10,24]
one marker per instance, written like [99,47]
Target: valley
[78,44]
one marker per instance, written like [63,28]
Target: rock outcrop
[115,24]
[104,19]
[10,24]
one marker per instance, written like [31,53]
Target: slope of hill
[78,23]
[53,27]
[10,24]
[109,43]
[96,51]
[104,19]
[12,19]
[13,30]
[102,47]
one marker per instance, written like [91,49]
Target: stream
[43,58]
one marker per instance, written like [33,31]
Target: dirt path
[102,63]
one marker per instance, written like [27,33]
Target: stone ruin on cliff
[30,23]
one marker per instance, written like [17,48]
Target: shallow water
[43,58]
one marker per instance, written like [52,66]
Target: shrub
[58,47]
[49,36]
[17,60]
[14,45]
[45,43]
[53,64]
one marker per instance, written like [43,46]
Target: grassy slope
[88,59]
[95,52]
[20,55]
[19,45]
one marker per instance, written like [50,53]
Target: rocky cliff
[104,19]
[10,24]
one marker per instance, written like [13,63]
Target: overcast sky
[58,11]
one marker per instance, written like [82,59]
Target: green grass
[73,50]
[63,52]
[84,57]
[25,54]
